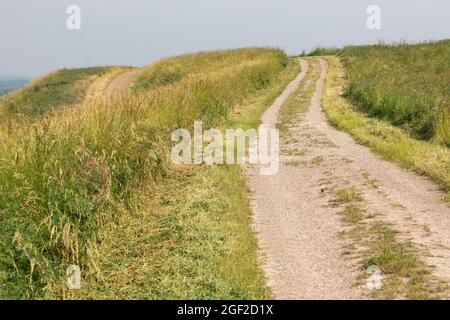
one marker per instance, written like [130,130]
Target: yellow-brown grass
[67,175]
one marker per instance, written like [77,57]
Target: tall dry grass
[387,140]
[65,175]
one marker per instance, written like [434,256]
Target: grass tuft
[353,213]
[391,256]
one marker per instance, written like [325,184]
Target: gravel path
[298,229]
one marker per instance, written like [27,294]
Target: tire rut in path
[297,233]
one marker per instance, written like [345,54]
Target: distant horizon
[12,77]
[138,33]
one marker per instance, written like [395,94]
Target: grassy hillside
[173,69]
[60,88]
[405,84]
[93,186]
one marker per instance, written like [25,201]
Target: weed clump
[405,84]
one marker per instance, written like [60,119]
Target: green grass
[297,103]
[405,84]
[191,240]
[405,275]
[195,247]
[375,243]
[322,51]
[70,178]
[385,139]
[60,88]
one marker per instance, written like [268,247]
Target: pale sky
[34,38]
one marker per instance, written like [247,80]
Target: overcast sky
[34,38]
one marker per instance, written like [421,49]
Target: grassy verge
[374,243]
[71,177]
[390,142]
[189,240]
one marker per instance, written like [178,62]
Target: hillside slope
[47,93]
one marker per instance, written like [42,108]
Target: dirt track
[298,229]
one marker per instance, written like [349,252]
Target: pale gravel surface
[297,227]
[122,82]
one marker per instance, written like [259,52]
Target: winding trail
[297,228]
